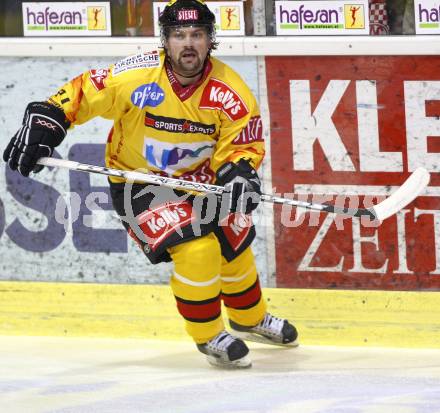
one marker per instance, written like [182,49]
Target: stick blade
[404,195]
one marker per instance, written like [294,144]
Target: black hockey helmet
[186,13]
[179,13]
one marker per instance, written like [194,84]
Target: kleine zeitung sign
[350,130]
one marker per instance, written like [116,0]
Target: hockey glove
[242,186]
[44,127]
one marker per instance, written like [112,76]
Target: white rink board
[71,257]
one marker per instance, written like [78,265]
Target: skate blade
[243,363]
[257,338]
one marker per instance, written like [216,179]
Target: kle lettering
[318,126]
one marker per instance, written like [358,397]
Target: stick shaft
[404,195]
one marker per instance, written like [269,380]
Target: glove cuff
[226,173]
[47,117]
[230,170]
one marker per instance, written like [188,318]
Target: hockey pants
[203,279]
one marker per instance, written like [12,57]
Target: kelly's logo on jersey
[236,228]
[218,95]
[164,220]
[177,125]
[148,95]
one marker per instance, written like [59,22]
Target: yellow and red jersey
[160,126]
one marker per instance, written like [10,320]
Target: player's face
[187,48]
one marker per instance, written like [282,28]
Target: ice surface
[69,375]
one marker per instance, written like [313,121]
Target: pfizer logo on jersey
[148,95]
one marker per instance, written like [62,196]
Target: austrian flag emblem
[218,95]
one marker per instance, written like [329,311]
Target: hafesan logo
[52,18]
[427,16]
[320,17]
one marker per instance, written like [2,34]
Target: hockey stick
[405,194]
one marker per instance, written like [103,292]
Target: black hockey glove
[242,186]
[44,127]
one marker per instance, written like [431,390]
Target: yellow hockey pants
[202,279]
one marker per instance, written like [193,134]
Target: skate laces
[221,341]
[271,324]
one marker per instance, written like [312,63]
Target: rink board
[350,130]
[323,317]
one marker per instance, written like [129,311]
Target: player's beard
[188,68]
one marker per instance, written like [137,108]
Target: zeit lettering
[360,242]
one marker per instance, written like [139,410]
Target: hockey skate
[226,351]
[271,330]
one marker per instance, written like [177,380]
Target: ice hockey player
[182,113]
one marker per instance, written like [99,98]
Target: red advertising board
[351,129]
